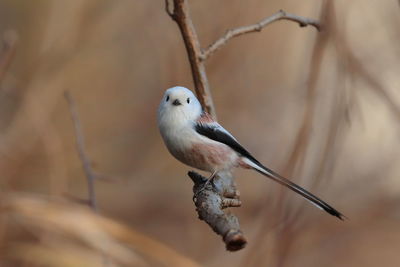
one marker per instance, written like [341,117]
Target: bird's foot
[209,181]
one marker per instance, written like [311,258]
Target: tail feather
[294,187]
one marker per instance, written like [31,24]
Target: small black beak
[176,102]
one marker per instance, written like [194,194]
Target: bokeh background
[321,108]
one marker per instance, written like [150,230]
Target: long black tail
[294,187]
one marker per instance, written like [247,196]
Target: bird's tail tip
[336,213]
[304,193]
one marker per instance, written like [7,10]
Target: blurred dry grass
[324,107]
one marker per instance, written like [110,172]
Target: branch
[210,202]
[80,144]
[280,15]
[181,16]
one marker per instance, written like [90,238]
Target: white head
[178,107]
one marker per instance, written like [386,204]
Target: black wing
[217,133]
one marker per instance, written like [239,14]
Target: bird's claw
[208,182]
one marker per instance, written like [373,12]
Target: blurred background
[320,108]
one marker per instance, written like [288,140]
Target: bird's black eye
[167,98]
[188,100]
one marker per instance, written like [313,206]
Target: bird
[193,137]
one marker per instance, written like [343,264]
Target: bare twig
[180,15]
[210,202]
[80,144]
[280,15]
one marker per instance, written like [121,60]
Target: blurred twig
[9,42]
[80,144]
[363,72]
[257,27]
[83,233]
[289,233]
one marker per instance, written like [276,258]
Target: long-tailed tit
[194,138]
